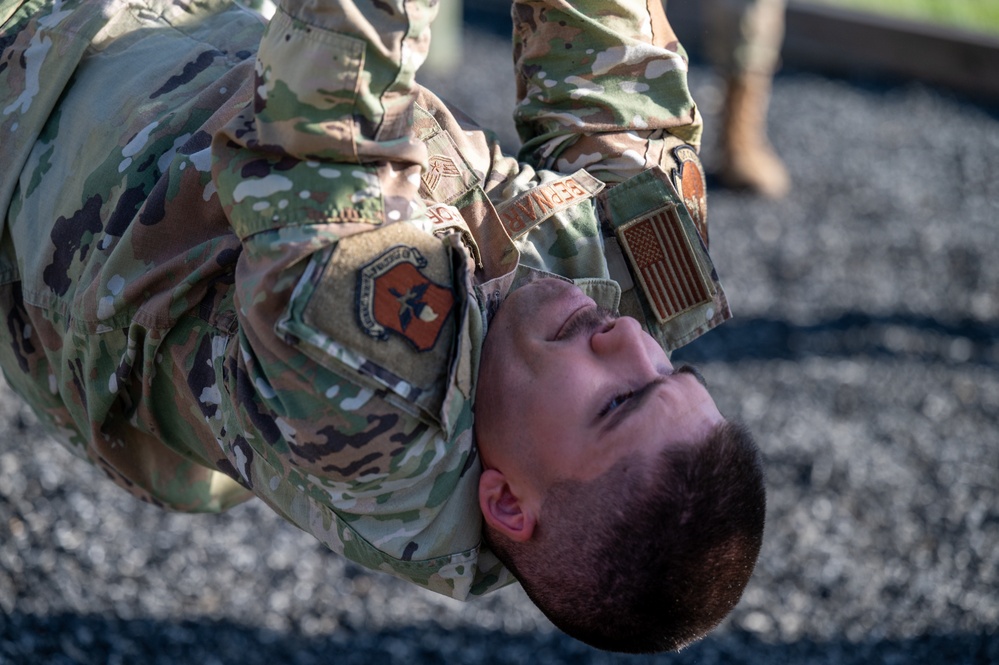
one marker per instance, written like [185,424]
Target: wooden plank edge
[843,41]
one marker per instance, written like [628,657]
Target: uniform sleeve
[334,88]
[347,386]
[601,86]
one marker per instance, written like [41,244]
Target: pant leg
[744,35]
[335,84]
[368,115]
[601,85]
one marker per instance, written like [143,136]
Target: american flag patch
[664,262]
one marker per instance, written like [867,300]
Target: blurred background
[863,354]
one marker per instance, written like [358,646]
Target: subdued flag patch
[665,264]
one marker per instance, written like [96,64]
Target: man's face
[565,389]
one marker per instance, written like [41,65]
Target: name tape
[536,205]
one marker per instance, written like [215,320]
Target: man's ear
[502,509]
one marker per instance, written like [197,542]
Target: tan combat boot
[749,161]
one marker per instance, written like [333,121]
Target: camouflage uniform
[246,260]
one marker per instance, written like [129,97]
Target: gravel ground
[863,355]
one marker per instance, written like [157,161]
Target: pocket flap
[388,308]
[676,289]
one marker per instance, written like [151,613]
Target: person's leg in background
[744,40]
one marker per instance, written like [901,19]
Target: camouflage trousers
[746,35]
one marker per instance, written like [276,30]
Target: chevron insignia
[440,167]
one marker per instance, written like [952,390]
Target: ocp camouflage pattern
[245,258]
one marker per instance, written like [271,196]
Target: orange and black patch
[393,295]
[689,181]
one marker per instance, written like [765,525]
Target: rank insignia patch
[665,264]
[394,295]
[440,167]
[688,179]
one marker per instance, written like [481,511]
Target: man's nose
[621,337]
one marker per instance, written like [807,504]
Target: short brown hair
[651,564]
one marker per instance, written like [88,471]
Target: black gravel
[864,355]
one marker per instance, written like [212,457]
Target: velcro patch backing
[388,296]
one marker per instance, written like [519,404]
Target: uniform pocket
[389,309]
[668,279]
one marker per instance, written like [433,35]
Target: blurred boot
[749,161]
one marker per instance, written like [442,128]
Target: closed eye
[626,403]
[615,402]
